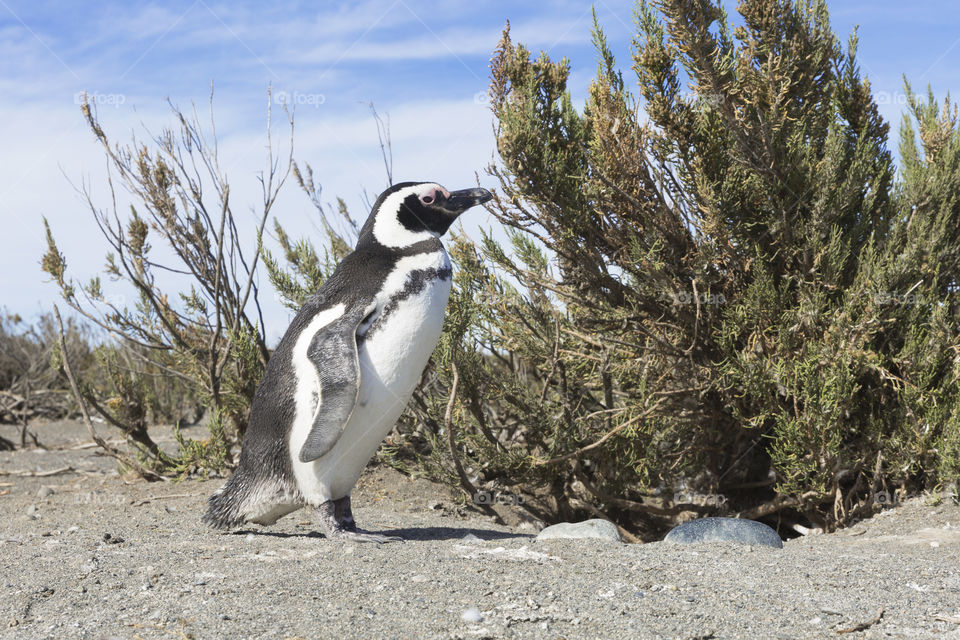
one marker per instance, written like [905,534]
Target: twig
[942,618]
[553,361]
[111,450]
[169,497]
[448,425]
[465,483]
[863,625]
[35,474]
[604,438]
[88,445]
[383,136]
[633,505]
[780,503]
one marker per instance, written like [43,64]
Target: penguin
[347,365]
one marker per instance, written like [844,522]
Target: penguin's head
[410,212]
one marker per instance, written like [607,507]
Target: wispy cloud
[441,44]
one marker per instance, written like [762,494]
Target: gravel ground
[86,553]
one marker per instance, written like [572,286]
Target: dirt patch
[87,553]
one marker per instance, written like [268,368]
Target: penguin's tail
[225,508]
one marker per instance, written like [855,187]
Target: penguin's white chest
[394,349]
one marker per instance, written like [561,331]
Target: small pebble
[472,615]
[44,492]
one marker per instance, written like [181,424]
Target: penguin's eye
[427,199]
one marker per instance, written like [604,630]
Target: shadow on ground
[411,533]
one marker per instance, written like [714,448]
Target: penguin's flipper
[333,351]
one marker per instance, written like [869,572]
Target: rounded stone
[725,530]
[595,528]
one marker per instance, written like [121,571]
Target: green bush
[733,305]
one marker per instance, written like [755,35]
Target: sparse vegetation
[208,334]
[29,387]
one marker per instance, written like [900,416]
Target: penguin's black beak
[460,201]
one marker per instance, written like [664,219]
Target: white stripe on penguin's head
[390,231]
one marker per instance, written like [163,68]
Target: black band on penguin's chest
[416,282]
[364,272]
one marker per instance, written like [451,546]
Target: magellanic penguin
[346,367]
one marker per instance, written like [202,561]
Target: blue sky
[425,65]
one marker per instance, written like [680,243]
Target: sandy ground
[85,553]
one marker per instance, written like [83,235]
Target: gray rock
[725,530]
[595,528]
[44,492]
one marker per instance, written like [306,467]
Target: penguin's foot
[343,514]
[364,536]
[338,524]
